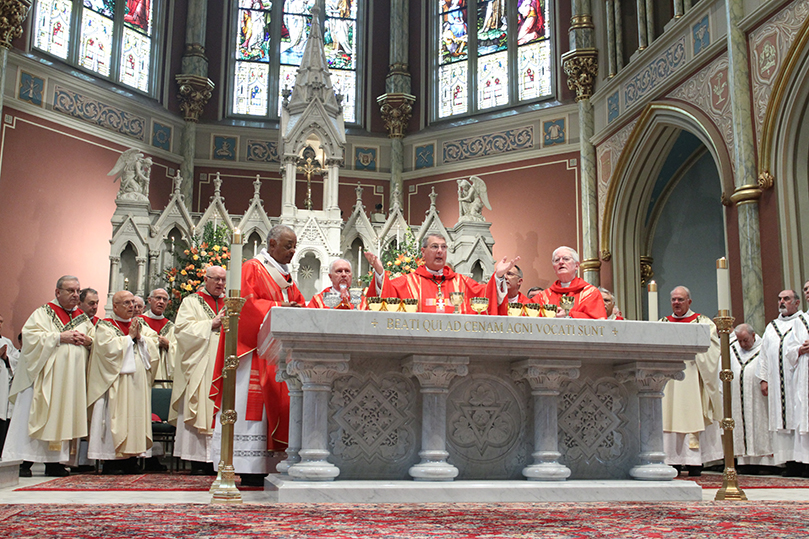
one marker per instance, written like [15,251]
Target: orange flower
[194,250]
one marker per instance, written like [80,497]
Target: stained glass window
[114,38]
[284,29]
[504,68]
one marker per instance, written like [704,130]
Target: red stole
[65,316]
[123,326]
[588,300]
[265,393]
[672,318]
[94,320]
[215,304]
[156,325]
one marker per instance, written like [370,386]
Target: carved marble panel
[594,433]
[489,426]
[701,33]
[521,138]
[32,88]
[365,158]
[655,72]
[608,153]
[374,423]
[161,136]
[425,156]
[224,148]
[98,113]
[264,151]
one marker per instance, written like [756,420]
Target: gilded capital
[646,271]
[12,15]
[194,93]
[765,180]
[590,264]
[746,194]
[581,68]
[396,110]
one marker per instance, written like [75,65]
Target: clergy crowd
[80,387]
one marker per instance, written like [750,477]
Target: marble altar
[528,405]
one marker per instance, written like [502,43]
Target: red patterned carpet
[181,482]
[394,521]
[714,480]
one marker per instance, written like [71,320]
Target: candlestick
[723,286]
[235,281]
[255,247]
[172,245]
[653,309]
[359,262]
[397,235]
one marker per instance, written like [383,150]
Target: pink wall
[58,201]
[534,209]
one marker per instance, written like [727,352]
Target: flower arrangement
[186,276]
[399,258]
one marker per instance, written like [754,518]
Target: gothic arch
[782,156]
[625,236]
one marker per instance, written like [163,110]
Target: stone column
[115,262]
[678,9]
[651,379]
[194,88]
[396,104]
[153,271]
[581,67]
[332,179]
[140,285]
[12,15]
[317,372]
[434,374]
[746,180]
[611,63]
[642,38]
[650,22]
[619,36]
[546,378]
[289,171]
[294,386]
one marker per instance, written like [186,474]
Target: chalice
[393,304]
[567,302]
[515,309]
[532,309]
[374,303]
[356,296]
[549,311]
[479,304]
[411,305]
[456,298]
[331,299]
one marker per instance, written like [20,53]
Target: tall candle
[359,262]
[723,284]
[653,310]
[235,280]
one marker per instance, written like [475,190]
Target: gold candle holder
[224,487]
[730,486]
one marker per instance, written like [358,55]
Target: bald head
[123,304]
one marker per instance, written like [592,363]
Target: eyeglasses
[564,259]
[71,291]
[436,247]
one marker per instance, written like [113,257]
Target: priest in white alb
[198,325]
[49,390]
[776,373]
[752,441]
[167,344]
[796,357]
[119,387]
[692,407]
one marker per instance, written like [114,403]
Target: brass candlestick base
[730,487]
[224,487]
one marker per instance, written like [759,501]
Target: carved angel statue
[472,198]
[134,170]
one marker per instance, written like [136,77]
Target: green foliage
[399,258]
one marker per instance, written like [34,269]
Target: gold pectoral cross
[439,300]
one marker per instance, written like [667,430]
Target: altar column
[651,379]
[748,189]
[295,417]
[316,371]
[581,67]
[546,378]
[434,374]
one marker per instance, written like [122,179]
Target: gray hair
[277,231]
[336,260]
[687,291]
[139,298]
[744,327]
[605,291]
[151,294]
[425,241]
[64,278]
[573,253]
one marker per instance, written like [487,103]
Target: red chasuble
[65,317]
[687,319]
[421,284]
[502,309]
[261,294]
[588,300]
